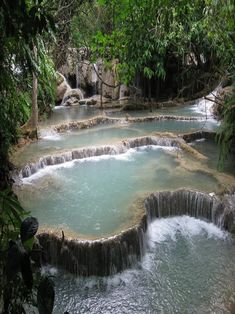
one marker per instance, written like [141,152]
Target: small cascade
[88,152]
[102,257]
[66,87]
[49,134]
[94,78]
[192,136]
[192,203]
[78,83]
[72,96]
[108,256]
[205,104]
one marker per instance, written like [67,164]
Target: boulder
[72,101]
[72,97]
[61,88]
[95,100]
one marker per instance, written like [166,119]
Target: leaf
[28,244]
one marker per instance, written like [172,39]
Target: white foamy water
[127,156]
[167,229]
[188,270]
[205,106]
[50,135]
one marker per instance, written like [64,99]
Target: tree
[23,23]
[164,43]
[221,30]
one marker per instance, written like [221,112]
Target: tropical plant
[23,25]
[22,287]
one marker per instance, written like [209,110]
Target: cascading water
[124,249]
[163,266]
[103,130]
[82,153]
[111,255]
[205,104]
[188,268]
[78,76]
[94,77]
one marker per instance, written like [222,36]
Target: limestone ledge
[102,119]
[108,256]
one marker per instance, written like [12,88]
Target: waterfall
[205,104]
[77,77]
[94,77]
[68,88]
[71,94]
[105,257]
[87,152]
[102,257]
[195,204]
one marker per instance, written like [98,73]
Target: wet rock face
[61,88]
[95,78]
[192,136]
[229,215]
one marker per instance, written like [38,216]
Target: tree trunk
[149,95]
[31,126]
[101,97]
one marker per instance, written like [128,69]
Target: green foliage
[23,23]
[221,31]
[19,277]
[144,35]
[46,80]
[11,215]
[226,133]
[149,37]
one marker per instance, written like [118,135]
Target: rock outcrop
[62,87]
[72,97]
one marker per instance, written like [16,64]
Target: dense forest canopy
[173,48]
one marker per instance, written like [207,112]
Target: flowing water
[61,114]
[189,268]
[91,196]
[189,264]
[53,142]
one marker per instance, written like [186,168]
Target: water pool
[61,114]
[92,196]
[105,134]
